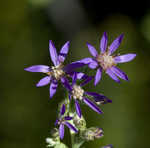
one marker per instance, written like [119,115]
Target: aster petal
[74,79]
[53,53]
[63,52]
[92,50]
[80,75]
[93,64]
[68,118]
[106,100]
[70,67]
[70,96]
[86,60]
[98,76]
[92,105]
[125,58]
[115,44]
[44,81]
[78,109]
[62,110]
[56,122]
[61,131]
[99,97]
[71,127]
[85,77]
[87,80]
[66,84]
[38,68]
[96,95]
[112,75]
[53,87]
[119,73]
[103,42]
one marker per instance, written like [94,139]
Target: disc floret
[105,60]
[57,71]
[77,92]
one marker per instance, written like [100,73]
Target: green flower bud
[51,142]
[55,133]
[80,123]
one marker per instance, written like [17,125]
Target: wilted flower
[56,72]
[79,94]
[106,61]
[92,133]
[63,120]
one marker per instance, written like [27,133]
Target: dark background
[26,26]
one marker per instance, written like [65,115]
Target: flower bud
[55,134]
[51,142]
[80,123]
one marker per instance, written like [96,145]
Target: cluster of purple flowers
[105,61]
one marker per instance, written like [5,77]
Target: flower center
[106,61]
[57,71]
[77,92]
[61,121]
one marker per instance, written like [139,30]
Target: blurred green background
[26,26]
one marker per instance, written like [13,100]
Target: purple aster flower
[62,121]
[56,72]
[79,94]
[106,61]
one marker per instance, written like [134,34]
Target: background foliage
[26,26]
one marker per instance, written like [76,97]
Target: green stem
[72,140]
[76,143]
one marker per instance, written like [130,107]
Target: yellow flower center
[57,71]
[105,60]
[77,92]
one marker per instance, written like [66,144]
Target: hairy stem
[76,143]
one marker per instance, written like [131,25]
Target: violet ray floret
[62,111]
[62,121]
[78,109]
[107,62]
[55,73]
[99,98]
